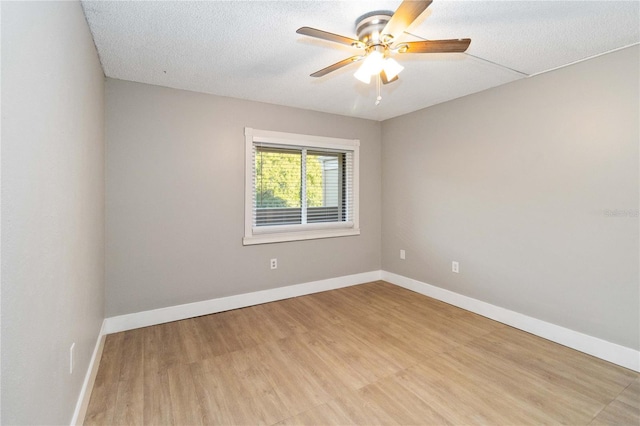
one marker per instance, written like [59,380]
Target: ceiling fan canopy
[378,35]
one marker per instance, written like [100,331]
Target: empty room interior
[320,212]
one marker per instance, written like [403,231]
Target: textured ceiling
[250,50]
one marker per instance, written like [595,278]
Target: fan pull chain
[378,98]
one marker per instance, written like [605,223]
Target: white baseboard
[612,352]
[190,310]
[89,379]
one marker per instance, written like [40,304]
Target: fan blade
[435,46]
[337,65]
[408,11]
[385,80]
[324,35]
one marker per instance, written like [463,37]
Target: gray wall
[515,184]
[175,199]
[52,208]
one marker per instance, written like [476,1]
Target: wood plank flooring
[363,355]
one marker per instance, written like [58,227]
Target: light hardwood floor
[369,354]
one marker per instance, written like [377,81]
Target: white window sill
[298,236]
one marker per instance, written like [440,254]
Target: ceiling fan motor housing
[370,25]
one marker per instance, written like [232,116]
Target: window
[299,187]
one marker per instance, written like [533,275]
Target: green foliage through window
[278,178]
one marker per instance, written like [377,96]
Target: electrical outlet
[403,255]
[274,263]
[455,267]
[71,360]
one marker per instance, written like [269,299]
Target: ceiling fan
[378,33]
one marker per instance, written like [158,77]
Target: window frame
[298,232]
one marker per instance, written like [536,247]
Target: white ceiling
[250,50]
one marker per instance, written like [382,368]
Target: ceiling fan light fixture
[372,65]
[362,76]
[392,68]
